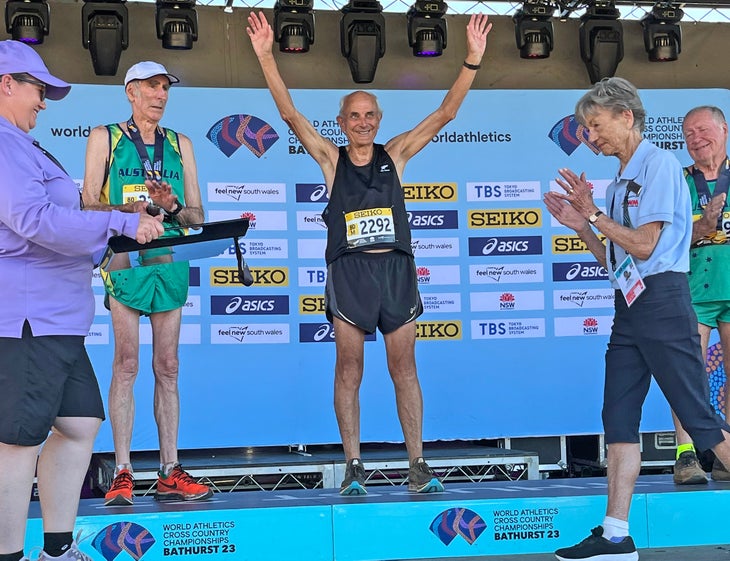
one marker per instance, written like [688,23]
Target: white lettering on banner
[247,192]
[438,274]
[249,334]
[495,191]
[435,247]
[507,328]
[583,298]
[505,273]
[441,302]
[507,301]
[189,333]
[310,220]
[312,276]
[582,325]
[311,248]
[98,334]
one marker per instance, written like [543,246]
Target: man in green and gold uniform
[706,133]
[138,166]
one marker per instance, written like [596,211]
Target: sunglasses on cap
[28,80]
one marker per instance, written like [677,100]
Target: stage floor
[496,519]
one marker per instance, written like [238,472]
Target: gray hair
[345,100]
[716,112]
[615,95]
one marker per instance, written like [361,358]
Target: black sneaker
[597,548]
[687,469]
[354,482]
[421,478]
[719,473]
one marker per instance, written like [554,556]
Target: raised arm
[406,145]
[323,151]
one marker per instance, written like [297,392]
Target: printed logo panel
[506,245]
[507,329]
[311,193]
[586,325]
[441,302]
[429,275]
[249,305]
[322,332]
[246,192]
[433,219]
[507,301]
[503,191]
[579,271]
[583,298]
[249,334]
[435,247]
[505,218]
[430,192]
[502,273]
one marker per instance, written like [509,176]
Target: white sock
[615,528]
[120,467]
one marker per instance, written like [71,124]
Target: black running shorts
[373,290]
[43,378]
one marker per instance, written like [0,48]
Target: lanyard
[152,170]
[632,187]
[48,155]
[721,186]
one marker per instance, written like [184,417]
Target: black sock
[17,556]
[57,543]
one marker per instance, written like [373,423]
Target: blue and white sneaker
[422,479]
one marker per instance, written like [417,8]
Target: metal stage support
[321,467]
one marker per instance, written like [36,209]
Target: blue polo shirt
[656,193]
[47,242]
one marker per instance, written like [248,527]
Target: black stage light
[105,32]
[427,28]
[362,38]
[294,25]
[662,33]
[177,23]
[533,28]
[27,20]
[601,40]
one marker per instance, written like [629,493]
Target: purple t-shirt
[47,242]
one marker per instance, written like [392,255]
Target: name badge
[133,193]
[369,226]
[629,280]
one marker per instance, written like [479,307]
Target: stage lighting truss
[601,40]
[177,23]
[662,33]
[533,29]
[362,38]
[27,20]
[105,32]
[427,28]
[294,25]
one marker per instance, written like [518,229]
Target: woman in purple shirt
[46,248]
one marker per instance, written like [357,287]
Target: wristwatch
[593,217]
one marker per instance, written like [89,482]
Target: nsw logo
[129,537]
[458,522]
[506,245]
[234,131]
[580,271]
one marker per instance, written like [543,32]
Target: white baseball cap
[147,69]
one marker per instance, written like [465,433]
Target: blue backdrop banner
[517,311]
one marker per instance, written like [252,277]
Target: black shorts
[43,378]
[373,290]
[658,336]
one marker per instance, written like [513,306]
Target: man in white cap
[47,381]
[132,166]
